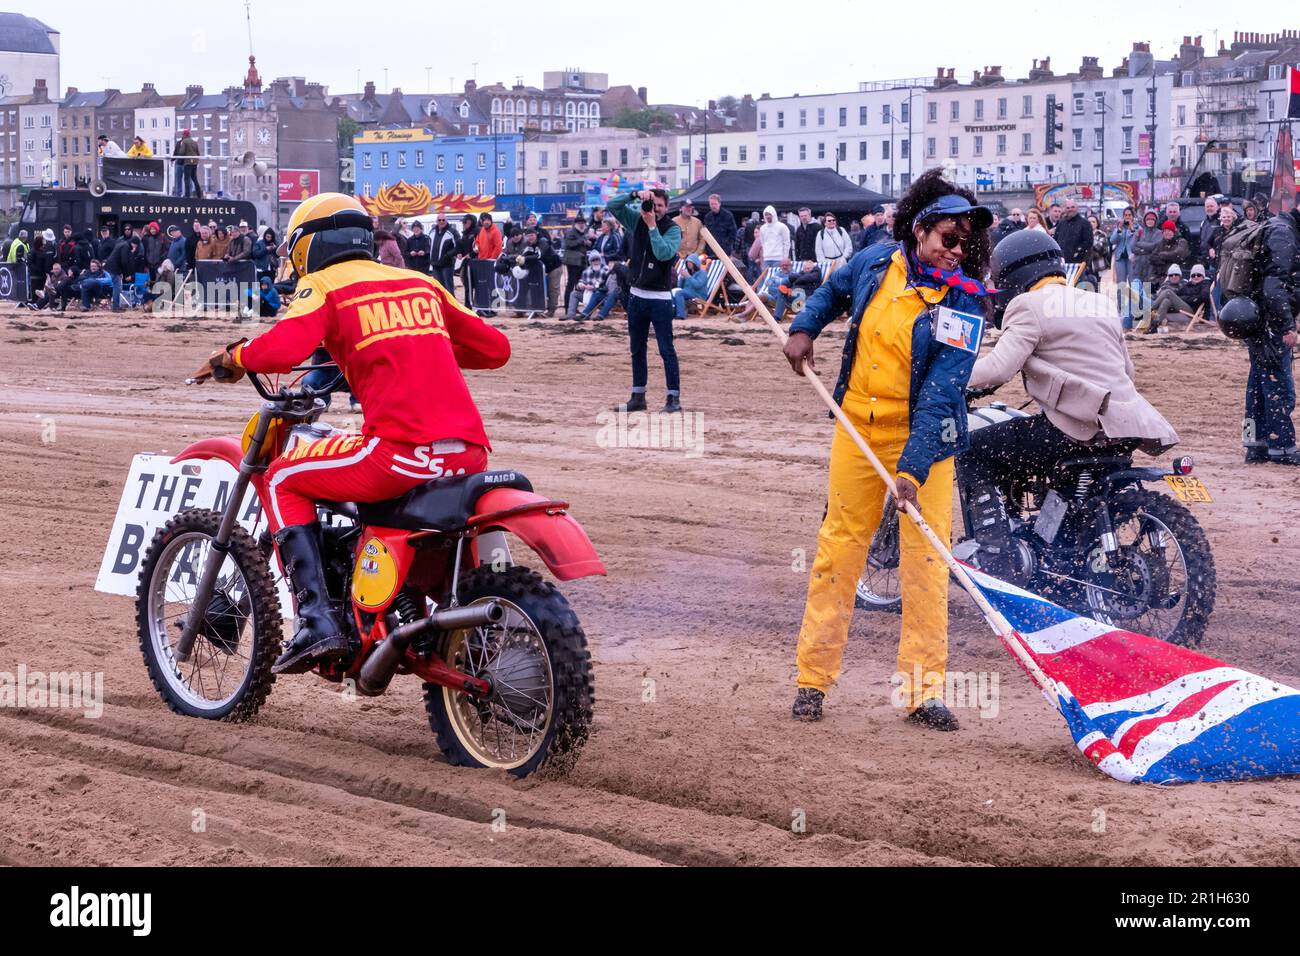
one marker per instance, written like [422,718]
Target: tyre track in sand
[555,816]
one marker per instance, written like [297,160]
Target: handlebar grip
[222,374]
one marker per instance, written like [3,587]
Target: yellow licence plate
[1187,488]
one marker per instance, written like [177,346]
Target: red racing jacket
[401,340]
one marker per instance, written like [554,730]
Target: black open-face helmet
[1240,319]
[1019,260]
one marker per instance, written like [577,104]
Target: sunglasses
[951,240]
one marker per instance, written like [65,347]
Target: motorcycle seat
[446,504]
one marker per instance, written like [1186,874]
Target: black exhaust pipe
[378,670]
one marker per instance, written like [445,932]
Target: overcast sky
[694,54]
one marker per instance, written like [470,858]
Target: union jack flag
[1147,711]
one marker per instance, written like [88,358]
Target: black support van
[79,208]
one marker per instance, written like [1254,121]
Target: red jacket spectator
[489,241]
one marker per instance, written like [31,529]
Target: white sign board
[155,491]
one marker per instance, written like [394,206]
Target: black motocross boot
[317,635]
[988,512]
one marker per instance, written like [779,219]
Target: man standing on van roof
[187,167]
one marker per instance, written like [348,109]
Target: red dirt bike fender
[227,448]
[545,526]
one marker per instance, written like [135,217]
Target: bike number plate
[1050,516]
[1189,489]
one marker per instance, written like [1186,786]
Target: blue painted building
[471,165]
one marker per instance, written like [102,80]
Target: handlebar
[287,394]
[975,394]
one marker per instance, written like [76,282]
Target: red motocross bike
[424,584]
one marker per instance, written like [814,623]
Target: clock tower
[254,149]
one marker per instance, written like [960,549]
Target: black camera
[648,205]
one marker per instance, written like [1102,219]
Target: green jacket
[663,245]
[188,146]
[17,251]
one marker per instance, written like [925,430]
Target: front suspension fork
[1105,529]
[221,543]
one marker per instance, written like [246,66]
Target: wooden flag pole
[992,616]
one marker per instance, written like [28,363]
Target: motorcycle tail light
[1184,465]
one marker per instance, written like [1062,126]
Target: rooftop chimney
[1090,69]
[645,97]
[192,91]
[72,91]
[1190,52]
[470,87]
[1042,69]
[369,93]
[990,76]
[943,77]
[1140,60]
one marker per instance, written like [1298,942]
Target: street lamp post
[1151,133]
[910,145]
[893,186]
[1101,192]
[891,148]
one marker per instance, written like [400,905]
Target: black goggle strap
[346,219]
[1046,255]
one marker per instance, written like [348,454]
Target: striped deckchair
[767,284]
[717,289]
[827,267]
[1073,272]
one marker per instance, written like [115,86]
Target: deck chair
[717,290]
[1199,315]
[1073,273]
[827,267]
[765,286]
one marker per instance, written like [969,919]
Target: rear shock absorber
[1084,486]
[406,607]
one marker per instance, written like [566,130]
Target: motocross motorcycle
[424,585]
[1089,535]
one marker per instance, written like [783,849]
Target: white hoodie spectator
[774,235]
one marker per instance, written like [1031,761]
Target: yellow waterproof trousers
[857,497]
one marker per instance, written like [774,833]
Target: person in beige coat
[692,243]
[1068,345]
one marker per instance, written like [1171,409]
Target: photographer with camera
[653,240]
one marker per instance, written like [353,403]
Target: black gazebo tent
[821,190]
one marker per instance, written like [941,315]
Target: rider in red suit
[401,341]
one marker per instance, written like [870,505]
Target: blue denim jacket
[1121,241]
[936,400]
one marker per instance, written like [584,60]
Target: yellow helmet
[328,228]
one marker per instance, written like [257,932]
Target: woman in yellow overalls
[916,311]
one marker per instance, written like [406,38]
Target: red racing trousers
[359,468]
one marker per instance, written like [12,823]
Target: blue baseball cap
[981,217]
